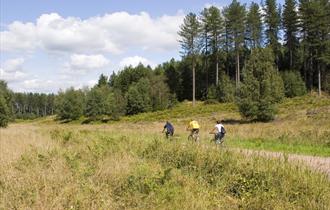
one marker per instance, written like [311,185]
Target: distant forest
[253,55]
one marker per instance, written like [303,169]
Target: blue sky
[47,45]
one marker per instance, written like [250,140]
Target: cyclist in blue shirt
[169,129]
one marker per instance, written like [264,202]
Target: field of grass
[128,164]
[302,125]
[119,167]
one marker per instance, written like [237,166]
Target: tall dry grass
[19,138]
[117,167]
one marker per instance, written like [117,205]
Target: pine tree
[323,56]
[190,33]
[293,84]
[254,26]
[290,25]
[272,22]
[262,87]
[205,41]
[103,81]
[235,27]
[315,28]
[213,20]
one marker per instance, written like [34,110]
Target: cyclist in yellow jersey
[193,126]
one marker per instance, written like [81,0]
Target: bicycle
[168,135]
[194,136]
[219,138]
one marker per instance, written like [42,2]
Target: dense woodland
[254,55]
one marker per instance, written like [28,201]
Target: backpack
[223,131]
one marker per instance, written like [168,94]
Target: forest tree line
[220,42]
[254,55]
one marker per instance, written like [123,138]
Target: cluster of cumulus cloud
[86,44]
[112,33]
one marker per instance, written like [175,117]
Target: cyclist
[219,132]
[193,126]
[169,129]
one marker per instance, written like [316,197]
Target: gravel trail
[321,164]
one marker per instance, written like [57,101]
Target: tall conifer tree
[254,26]
[235,27]
[190,33]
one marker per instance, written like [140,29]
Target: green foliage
[128,76]
[254,26]
[185,110]
[213,27]
[262,87]
[272,22]
[33,105]
[225,89]
[7,96]
[70,104]
[103,81]
[97,103]
[5,104]
[173,76]
[159,93]
[224,92]
[4,112]
[290,24]
[138,97]
[235,15]
[116,104]
[293,84]
[189,33]
[103,102]
[212,93]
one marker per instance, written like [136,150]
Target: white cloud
[11,70]
[12,65]
[19,36]
[112,33]
[49,86]
[12,76]
[134,61]
[80,63]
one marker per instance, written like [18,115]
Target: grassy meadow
[129,164]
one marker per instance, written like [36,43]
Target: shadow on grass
[236,121]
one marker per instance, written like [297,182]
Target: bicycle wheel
[196,137]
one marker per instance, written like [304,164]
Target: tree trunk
[291,64]
[206,66]
[193,71]
[217,70]
[310,73]
[207,74]
[319,78]
[237,70]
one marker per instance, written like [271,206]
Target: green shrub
[224,92]
[262,87]
[212,93]
[4,112]
[293,84]
[225,89]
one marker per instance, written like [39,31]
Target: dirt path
[321,164]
